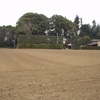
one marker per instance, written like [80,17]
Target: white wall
[99,43]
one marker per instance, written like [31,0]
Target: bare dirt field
[35,74]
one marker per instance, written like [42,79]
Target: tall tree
[7,36]
[62,26]
[85,30]
[32,23]
[94,24]
[93,29]
[77,21]
[97,32]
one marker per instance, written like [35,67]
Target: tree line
[38,24]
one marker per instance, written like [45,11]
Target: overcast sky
[12,10]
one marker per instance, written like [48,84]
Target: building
[94,42]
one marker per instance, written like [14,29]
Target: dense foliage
[7,36]
[39,41]
[34,24]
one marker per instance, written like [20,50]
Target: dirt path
[31,74]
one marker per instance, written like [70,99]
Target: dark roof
[93,43]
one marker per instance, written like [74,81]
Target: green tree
[62,26]
[85,30]
[77,22]
[32,23]
[97,32]
[93,28]
[84,40]
[6,36]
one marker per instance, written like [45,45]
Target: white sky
[12,10]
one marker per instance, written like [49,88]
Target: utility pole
[14,41]
[57,38]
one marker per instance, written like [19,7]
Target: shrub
[39,41]
[41,46]
[91,48]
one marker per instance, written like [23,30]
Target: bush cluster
[39,41]
[91,48]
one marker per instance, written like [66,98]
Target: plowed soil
[35,74]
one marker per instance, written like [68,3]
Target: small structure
[94,42]
[64,40]
[66,43]
[69,46]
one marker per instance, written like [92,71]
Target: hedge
[39,41]
[91,48]
[40,46]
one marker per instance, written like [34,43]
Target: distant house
[69,46]
[94,42]
[64,40]
[67,43]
